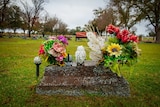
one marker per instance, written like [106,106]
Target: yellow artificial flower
[114,49]
[64,54]
[61,64]
[136,49]
[103,49]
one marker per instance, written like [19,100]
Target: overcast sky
[74,12]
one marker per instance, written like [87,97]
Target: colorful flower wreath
[54,50]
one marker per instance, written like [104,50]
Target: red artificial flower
[41,50]
[119,35]
[112,29]
[125,32]
[123,36]
[133,38]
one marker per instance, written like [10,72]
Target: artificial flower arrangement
[53,50]
[119,48]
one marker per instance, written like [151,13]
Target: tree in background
[49,24]
[31,14]
[151,12]
[62,27]
[104,17]
[78,29]
[14,15]
[53,25]
[126,13]
[4,4]
[72,32]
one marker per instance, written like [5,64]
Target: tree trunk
[14,30]
[24,31]
[29,33]
[158,37]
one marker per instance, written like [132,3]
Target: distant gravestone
[24,37]
[34,38]
[82,80]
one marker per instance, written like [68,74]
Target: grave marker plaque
[81,80]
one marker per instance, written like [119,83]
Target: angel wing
[95,44]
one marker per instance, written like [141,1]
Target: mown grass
[18,79]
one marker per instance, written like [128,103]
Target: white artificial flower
[96,43]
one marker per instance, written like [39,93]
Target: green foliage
[112,39]
[48,44]
[18,78]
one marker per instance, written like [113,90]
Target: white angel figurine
[80,55]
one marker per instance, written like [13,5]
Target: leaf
[112,40]
[116,69]
[46,59]
[48,45]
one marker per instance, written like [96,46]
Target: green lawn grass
[18,79]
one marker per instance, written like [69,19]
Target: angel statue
[80,55]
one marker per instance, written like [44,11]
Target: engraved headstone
[82,80]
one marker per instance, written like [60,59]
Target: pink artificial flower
[41,50]
[54,53]
[52,37]
[133,38]
[60,58]
[59,47]
[112,29]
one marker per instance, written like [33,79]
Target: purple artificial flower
[63,39]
